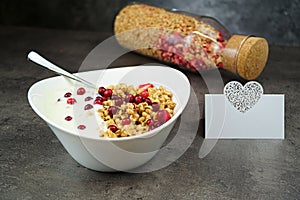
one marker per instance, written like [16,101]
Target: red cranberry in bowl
[126,121]
[145,94]
[101,98]
[163,116]
[81,127]
[88,107]
[88,98]
[107,93]
[148,101]
[138,99]
[114,97]
[68,94]
[154,125]
[98,101]
[119,102]
[112,110]
[155,106]
[149,122]
[101,90]
[80,91]
[71,101]
[129,98]
[113,128]
[68,118]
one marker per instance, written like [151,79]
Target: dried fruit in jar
[171,37]
[192,42]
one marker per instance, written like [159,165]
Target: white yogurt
[58,109]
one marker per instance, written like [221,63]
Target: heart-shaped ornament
[243,98]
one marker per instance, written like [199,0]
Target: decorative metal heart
[243,98]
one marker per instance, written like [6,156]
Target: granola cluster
[131,111]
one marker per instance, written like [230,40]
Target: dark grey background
[277,20]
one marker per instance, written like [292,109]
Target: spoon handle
[41,61]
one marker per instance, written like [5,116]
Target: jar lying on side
[193,42]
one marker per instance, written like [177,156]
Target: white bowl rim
[140,136]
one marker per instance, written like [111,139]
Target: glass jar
[190,41]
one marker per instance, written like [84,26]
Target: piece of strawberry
[145,86]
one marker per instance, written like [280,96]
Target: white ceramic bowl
[110,154]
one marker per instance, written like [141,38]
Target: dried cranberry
[126,121]
[107,93]
[129,98]
[112,110]
[68,94]
[71,101]
[114,97]
[155,106]
[138,99]
[81,127]
[163,116]
[101,90]
[153,125]
[103,99]
[68,118]
[113,128]
[88,107]
[148,101]
[80,91]
[119,102]
[98,101]
[88,98]
[149,122]
[145,94]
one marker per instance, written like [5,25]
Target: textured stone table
[34,165]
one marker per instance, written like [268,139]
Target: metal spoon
[39,60]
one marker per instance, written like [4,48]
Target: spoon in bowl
[41,61]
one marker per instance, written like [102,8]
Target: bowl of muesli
[122,123]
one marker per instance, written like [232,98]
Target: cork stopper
[246,56]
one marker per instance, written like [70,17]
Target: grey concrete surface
[34,165]
[276,20]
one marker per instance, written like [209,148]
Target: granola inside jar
[189,41]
